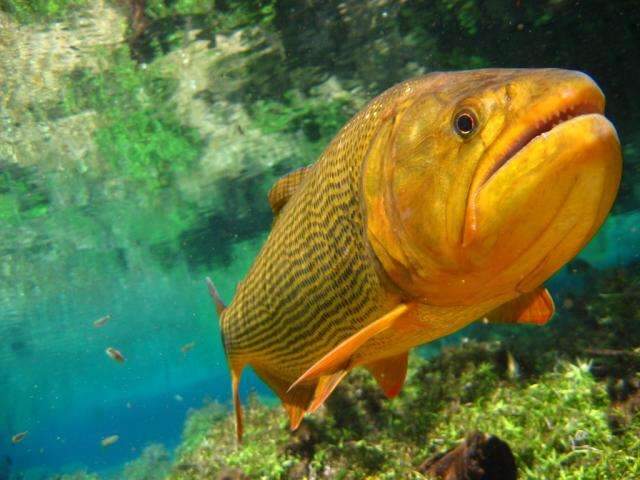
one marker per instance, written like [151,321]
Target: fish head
[481,184]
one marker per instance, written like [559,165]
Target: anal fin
[390,373]
[535,307]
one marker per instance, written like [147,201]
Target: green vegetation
[317,118]
[153,464]
[557,427]
[139,135]
[29,11]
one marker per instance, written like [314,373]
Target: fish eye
[465,123]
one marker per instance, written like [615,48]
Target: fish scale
[313,282]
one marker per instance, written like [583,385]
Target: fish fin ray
[390,373]
[325,386]
[340,357]
[284,188]
[535,307]
[220,306]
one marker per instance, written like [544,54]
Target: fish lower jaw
[543,131]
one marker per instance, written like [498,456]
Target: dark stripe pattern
[313,283]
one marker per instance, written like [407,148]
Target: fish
[187,347]
[178,398]
[102,321]
[110,440]
[115,354]
[18,437]
[449,198]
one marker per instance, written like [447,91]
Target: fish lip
[541,129]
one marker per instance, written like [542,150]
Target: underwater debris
[102,321]
[115,354]
[513,369]
[187,347]
[18,437]
[110,440]
[479,457]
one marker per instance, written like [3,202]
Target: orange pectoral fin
[390,373]
[340,357]
[535,307]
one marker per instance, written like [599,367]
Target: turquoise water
[132,167]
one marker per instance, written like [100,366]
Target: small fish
[115,354]
[102,321]
[187,347]
[110,440]
[178,398]
[18,437]
[449,198]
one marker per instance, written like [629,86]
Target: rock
[479,457]
[34,59]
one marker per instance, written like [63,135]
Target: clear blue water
[107,243]
[69,394]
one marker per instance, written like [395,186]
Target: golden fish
[448,198]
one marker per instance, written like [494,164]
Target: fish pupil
[465,123]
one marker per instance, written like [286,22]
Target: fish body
[115,354]
[187,347]
[102,321]
[110,440]
[19,437]
[448,198]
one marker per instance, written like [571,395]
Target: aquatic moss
[153,464]
[557,425]
[319,119]
[30,11]
[260,457]
[197,425]
[139,135]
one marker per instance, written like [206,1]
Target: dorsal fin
[220,306]
[285,186]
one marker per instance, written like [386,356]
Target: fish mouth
[539,130]
[541,121]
